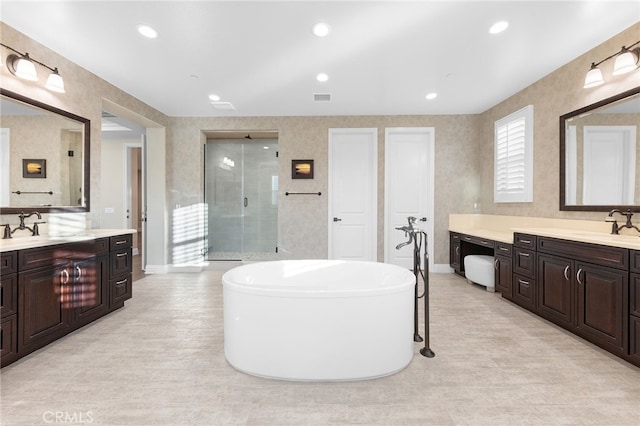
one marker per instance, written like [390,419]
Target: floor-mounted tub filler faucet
[614,225]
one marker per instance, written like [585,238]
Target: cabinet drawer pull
[566,273]
[524,254]
[121,242]
[467,238]
[523,282]
[578,276]
[525,241]
[121,282]
[121,254]
[503,249]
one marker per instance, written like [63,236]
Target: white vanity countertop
[502,228]
[20,243]
[624,241]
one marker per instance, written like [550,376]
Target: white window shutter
[513,162]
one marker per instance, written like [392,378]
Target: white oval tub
[318,320]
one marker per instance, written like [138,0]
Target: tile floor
[160,361]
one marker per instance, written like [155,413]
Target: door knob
[336,219]
[423,219]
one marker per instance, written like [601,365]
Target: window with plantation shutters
[513,157]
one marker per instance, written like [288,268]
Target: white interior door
[353,189]
[408,189]
[609,165]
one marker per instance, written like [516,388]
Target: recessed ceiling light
[147,31]
[498,27]
[321,29]
[214,98]
[322,77]
[431,95]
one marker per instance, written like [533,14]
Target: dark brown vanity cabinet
[634,308]
[524,271]
[503,262]
[120,261]
[454,252]
[59,288]
[585,288]
[8,307]
[555,300]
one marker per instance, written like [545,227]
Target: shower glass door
[241,190]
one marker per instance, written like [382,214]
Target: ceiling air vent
[322,97]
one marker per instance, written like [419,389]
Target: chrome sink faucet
[615,227]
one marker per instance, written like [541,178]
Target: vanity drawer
[613,257]
[525,240]
[8,262]
[120,242]
[120,262]
[478,240]
[524,262]
[120,290]
[503,249]
[55,255]
[524,291]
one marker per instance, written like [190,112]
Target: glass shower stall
[241,191]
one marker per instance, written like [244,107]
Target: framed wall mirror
[33,130]
[600,155]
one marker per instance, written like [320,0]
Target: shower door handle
[246,202]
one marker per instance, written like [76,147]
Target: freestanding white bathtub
[318,320]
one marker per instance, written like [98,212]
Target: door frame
[373,202]
[430,189]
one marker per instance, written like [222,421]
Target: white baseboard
[193,268]
[155,269]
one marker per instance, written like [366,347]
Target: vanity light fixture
[23,66]
[626,61]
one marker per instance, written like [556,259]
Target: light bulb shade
[24,68]
[55,83]
[594,78]
[626,61]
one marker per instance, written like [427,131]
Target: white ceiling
[382,57]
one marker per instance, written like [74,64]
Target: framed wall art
[34,168]
[301,169]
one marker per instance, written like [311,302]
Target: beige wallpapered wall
[463,151]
